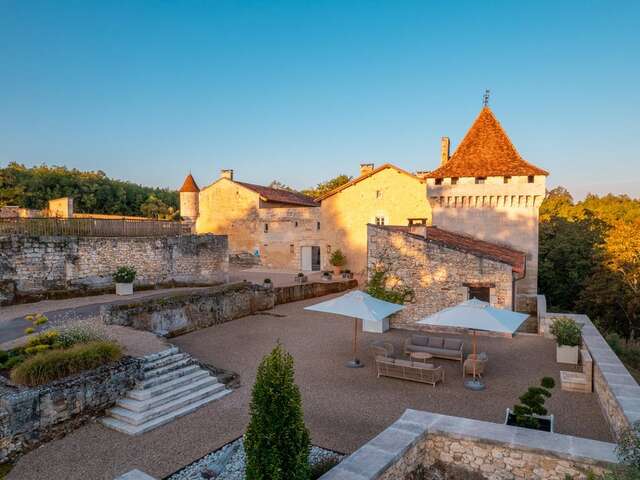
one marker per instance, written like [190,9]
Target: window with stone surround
[379,220]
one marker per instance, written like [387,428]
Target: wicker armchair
[382,348]
[480,361]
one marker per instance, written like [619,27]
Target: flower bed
[228,463]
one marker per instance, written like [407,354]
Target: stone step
[137,418]
[165,377]
[164,361]
[161,420]
[152,357]
[143,394]
[178,364]
[166,397]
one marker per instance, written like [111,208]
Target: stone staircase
[173,385]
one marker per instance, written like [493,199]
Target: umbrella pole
[474,384]
[355,363]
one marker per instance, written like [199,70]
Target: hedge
[55,364]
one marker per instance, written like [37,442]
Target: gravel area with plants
[227,463]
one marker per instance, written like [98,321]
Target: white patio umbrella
[476,315]
[358,305]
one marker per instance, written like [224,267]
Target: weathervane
[485,98]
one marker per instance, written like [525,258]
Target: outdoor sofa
[449,348]
[409,370]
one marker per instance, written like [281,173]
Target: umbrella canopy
[476,315]
[357,304]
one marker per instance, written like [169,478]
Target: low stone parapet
[480,449]
[303,291]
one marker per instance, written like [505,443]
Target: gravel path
[344,408]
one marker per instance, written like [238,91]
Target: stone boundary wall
[489,450]
[35,267]
[32,416]
[618,392]
[303,291]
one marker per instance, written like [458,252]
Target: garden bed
[228,463]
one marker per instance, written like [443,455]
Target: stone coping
[624,389]
[378,455]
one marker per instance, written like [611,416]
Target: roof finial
[485,98]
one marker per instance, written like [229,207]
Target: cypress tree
[277,441]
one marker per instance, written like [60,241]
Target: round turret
[189,199]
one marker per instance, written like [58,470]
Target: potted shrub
[124,277]
[326,275]
[337,260]
[266,283]
[530,413]
[567,333]
[301,278]
[347,274]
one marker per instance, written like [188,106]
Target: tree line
[589,258]
[92,192]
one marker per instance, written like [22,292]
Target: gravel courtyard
[344,408]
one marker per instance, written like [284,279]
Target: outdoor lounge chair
[480,361]
[449,348]
[408,370]
[382,348]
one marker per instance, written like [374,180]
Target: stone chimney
[366,168]
[228,174]
[418,230]
[444,150]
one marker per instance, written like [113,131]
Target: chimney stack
[444,150]
[366,168]
[228,174]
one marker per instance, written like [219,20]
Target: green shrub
[29,330]
[4,356]
[75,334]
[532,403]
[13,361]
[337,258]
[323,466]
[45,338]
[566,331]
[36,349]
[377,288]
[124,275]
[54,364]
[277,440]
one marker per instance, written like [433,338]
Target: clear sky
[300,91]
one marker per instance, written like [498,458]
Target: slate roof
[367,175]
[486,151]
[468,244]
[281,196]
[189,185]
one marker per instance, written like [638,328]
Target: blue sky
[301,91]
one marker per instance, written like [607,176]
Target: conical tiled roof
[189,185]
[486,151]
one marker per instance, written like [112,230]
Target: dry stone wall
[46,265]
[32,416]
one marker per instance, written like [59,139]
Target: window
[378,193]
[379,220]
[530,179]
[291,248]
[266,228]
[295,224]
[480,180]
[328,248]
[454,181]
[317,225]
[438,181]
[507,179]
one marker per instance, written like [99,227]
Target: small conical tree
[277,440]
[533,404]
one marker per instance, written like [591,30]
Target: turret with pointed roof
[486,151]
[189,185]
[189,200]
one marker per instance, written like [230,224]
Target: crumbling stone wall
[38,266]
[438,275]
[32,416]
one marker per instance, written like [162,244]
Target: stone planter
[124,289]
[545,421]
[566,354]
[336,271]
[302,279]
[268,285]
[326,277]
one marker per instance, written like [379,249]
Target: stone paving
[344,408]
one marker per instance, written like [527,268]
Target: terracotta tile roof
[468,244]
[367,175]
[281,196]
[189,185]
[486,151]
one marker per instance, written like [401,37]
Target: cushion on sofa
[436,342]
[452,344]
[420,340]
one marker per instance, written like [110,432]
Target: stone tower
[189,201]
[488,191]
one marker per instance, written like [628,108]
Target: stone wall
[184,312]
[294,293]
[618,393]
[32,416]
[479,449]
[436,274]
[33,267]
